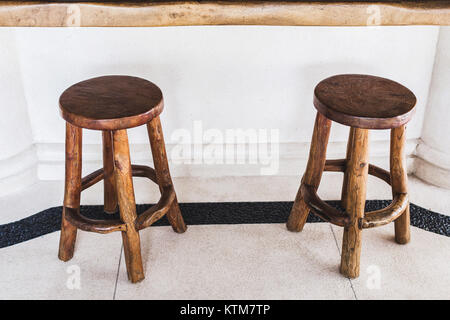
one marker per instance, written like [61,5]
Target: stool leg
[127,205]
[399,181]
[313,173]
[347,157]
[110,194]
[72,190]
[156,137]
[357,169]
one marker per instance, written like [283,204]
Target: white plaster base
[18,172]
[432,173]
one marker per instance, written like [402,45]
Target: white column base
[432,166]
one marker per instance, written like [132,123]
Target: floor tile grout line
[118,270]
[337,245]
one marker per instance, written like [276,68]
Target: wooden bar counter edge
[189,13]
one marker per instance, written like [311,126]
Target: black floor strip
[49,220]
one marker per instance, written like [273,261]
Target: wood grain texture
[386,215]
[156,138]
[187,13]
[399,182]
[335,165]
[91,179]
[313,173]
[347,159]
[340,165]
[156,212]
[321,208]
[110,193]
[100,226]
[380,173]
[168,196]
[111,103]
[364,101]
[358,169]
[127,205]
[72,190]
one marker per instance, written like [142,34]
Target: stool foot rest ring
[74,216]
[371,219]
[144,220]
[157,211]
[384,216]
[322,209]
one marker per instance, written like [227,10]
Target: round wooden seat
[111,103]
[364,101]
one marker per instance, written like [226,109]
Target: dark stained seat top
[111,103]
[364,101]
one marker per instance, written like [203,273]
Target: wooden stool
[362,102]
[113,104]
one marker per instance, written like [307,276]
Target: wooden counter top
[189,13]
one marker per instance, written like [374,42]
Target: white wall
[228,77]
[17,155]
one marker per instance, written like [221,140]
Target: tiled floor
[230,262]
[31,270]
[259,261]
[238,262]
